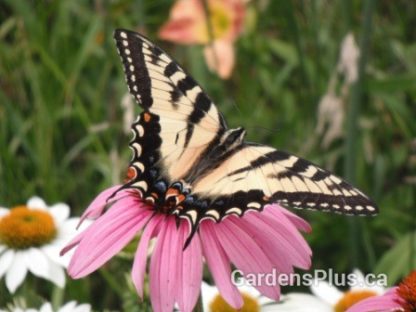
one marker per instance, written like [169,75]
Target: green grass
[61,80]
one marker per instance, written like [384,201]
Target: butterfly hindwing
[258,175]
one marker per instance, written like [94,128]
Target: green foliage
[61,123]
[399,259]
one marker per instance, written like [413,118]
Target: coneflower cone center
[219,304]
[407,291]
[352,297]
[23,228]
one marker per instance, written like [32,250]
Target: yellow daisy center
[218,304]
[23,228]
[352,297]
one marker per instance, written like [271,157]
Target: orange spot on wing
[172,191]
[180,198]
[147,117]
[131,173]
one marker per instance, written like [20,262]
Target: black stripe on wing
[305,185]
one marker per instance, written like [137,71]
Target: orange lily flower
[188,24]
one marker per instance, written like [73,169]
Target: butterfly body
[227,143]
[187,162]
[170,196]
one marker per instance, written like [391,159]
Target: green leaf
[400,259]
[284,50]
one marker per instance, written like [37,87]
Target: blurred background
[330,81]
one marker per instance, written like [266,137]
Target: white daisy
[253,300]
[71,306]
[328,298]
[31,237]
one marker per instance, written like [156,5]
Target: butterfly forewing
[187,119]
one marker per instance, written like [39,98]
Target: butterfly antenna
[274,131]
[237,108]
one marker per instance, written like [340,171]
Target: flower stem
[115,286]
[57,297]
[352,122]
[199,307]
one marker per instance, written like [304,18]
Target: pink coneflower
[258,242]
[401,298]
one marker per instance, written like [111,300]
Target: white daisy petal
[36,202]
[82,308]
[37,262]
[46,307]
[52,252]
[3,211]
[68,228]
[255,294]
[379,290]
[2,248]
[60,212]
[360,283]
[56,274]
[208,295]
[326,292]
[297,302]
[6,260]
[249,290]
[17,272]
[264,301]
[69,307]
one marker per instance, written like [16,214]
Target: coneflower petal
[246,254]
[219,265]
[140,258]
[297,221]
[96,207]
[162,278]
[258,243]
[269,241]
[298,247]
[390,301]
[191,269]
[106,237]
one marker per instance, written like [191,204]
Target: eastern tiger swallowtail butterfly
[187,162]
